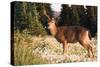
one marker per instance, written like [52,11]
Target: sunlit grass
[23,52]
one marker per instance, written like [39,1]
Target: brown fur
[71,34]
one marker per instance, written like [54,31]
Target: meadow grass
[30,50]
[23,51]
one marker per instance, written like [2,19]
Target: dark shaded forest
[31,18]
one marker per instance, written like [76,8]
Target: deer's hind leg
[85,42]
[87,46]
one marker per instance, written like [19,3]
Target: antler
[45,13]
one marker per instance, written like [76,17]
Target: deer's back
[70,33]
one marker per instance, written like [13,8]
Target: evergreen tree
[74,15]
[92,19]
[65,15]
[35,27]
[82,15]
[27,18]
[19,16]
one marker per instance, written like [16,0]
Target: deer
[71,34]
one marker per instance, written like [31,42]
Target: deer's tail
[89,34]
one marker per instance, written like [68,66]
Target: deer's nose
[46,27]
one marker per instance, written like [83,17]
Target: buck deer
[71,34]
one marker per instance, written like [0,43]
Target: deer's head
[52,26]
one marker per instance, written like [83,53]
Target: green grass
[23,52]
[24,56]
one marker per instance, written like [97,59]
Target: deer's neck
[54,31]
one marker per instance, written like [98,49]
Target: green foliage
[35,26]
[75,15]
[65,15]
[26,17]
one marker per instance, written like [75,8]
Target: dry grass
[46,49]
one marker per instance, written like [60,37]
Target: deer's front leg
[65,46]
